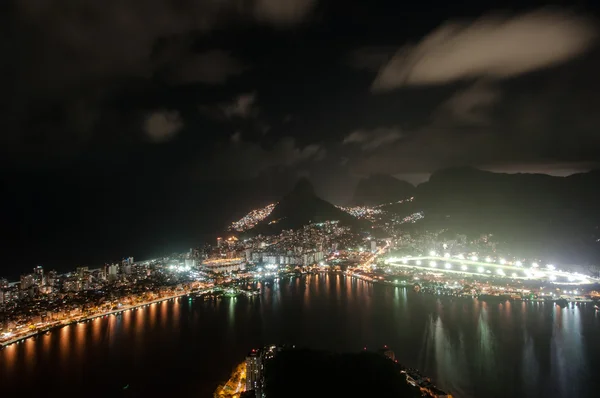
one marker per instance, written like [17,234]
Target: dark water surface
[185,348]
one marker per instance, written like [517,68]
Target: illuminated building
[113,270]
[219,242]
[27,281]
[254,372]
[224,265]
[38,274]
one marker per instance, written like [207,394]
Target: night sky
[138,127]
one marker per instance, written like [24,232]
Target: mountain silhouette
[378,189]
[554,216]
[301,206]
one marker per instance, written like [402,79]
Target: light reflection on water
[474,348]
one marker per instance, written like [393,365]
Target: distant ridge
[378,189]
[557,216]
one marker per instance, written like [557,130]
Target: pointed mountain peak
[303,187]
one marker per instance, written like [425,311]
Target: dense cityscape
[429,263]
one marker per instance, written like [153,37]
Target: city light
[418,262]
[535,265]
[480,270]
[474,258]
[552,277]
[488,260]
[500,271]
[502,261]
[448,265]
[432,253]
[550,266]
[433,263]
[519,264]
[251,219]
[464,267]
[447,255]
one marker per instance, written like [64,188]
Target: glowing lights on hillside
[251,219]
[362,212]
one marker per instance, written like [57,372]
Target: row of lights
[482,270]
[489,260]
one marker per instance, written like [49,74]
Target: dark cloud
[283,12]
[210,67]
[243,106]
[370,58]
[472,105]
[66,61]
[247,159]
[162,125]
[373,139]
[490,47]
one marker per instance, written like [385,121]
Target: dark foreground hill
[379,189]
[301,207]
[308,373]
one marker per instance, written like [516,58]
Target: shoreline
[19,339]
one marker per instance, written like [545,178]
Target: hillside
[379,189]
[545,213]
[300,207]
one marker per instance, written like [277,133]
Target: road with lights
[488,268]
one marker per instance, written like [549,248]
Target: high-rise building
[254,372]
[373,246]
[52,279]
[38,274]
[113,271]
[27,281]
[81,272]
[219,242]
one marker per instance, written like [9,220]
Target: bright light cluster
[413,218]
[252,218]
[362,212]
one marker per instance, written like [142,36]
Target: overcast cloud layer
[489,47]
[239,89]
